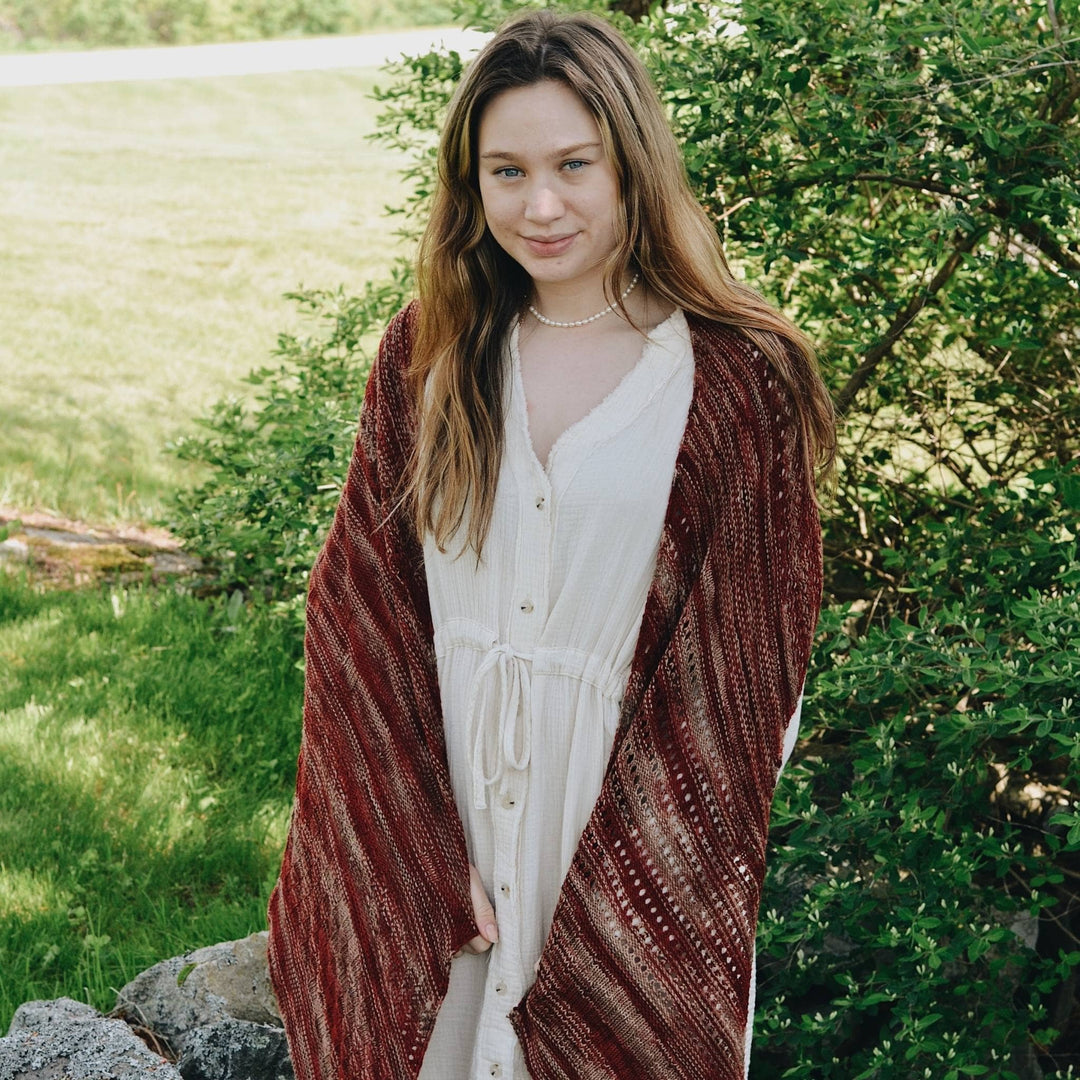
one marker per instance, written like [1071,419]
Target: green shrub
[278,467]
[41,23]
[920,905]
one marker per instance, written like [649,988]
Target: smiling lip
[554,245]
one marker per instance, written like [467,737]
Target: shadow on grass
[147,756]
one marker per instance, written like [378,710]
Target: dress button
[539,502]
[500,988]
[509,801]
[496,1069]
[504,889]
[527,606]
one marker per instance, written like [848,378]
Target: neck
[570,302]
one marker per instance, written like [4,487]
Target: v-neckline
[606,405]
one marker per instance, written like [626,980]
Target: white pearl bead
[592,318]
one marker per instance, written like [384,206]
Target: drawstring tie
[511,676]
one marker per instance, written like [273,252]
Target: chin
[551,274]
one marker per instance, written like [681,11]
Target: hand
[484,914]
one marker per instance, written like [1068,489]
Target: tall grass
[147,759]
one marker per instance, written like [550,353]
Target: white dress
[534,649]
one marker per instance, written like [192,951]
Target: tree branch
[917,185]
[1064,106]
[880,349]
[896,181]
[1064,258]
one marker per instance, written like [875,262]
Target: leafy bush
[920,913]
[278,467]
[36,23]
[904,179]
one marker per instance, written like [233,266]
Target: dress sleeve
[791,735]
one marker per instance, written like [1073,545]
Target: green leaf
[1070,490]
[800,80]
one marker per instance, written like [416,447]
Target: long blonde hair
[471,290]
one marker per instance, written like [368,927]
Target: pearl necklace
[592,318]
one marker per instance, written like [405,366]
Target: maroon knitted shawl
[645,974]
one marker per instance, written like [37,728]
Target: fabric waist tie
[503,673]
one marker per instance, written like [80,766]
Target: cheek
[605,207]
[614,200]
[610,214]
[494,209]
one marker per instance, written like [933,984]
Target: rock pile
[207,1015]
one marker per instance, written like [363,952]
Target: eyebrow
[504,155]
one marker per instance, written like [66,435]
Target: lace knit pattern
[646,970]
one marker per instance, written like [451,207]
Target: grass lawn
[148,739]
[147,234]
[148,745]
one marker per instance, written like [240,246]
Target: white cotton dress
[534,649]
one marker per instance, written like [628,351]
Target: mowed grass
[147,233]
[148,746]
[148,739]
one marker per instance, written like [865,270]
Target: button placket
[498,1040]
[495,1049]
[533,505]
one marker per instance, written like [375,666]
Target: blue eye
[575,165]
[506,170]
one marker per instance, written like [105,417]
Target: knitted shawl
[645,974]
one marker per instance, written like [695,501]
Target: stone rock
[35,1017]
[15,549]
[229,981]
[214,1007]
[66,1040]
[236,1050]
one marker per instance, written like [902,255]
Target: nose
[543,205]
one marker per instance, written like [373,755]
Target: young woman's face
[550,194]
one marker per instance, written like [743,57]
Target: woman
[558,633]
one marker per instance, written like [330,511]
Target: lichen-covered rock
[214,1006]
[229,981]
[42,1016]
[66,1040]
[236,1050]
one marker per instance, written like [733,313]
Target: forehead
[535,118]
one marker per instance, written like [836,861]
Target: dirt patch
[66,553]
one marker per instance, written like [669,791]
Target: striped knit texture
[645,974]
